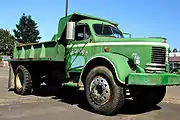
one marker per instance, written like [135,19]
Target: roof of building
[174,57]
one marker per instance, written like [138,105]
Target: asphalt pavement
[68,104]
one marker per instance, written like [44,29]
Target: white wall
[172,54]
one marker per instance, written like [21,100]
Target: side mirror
[70,31]
[126,33]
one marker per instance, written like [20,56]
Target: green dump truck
[92,53]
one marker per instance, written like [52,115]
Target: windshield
[107,30]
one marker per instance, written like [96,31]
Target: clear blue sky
[139,17]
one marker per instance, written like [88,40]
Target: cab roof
[75,17]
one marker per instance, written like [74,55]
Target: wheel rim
[100,90]
[19,80]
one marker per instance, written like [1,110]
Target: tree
[27,31]
[175,50]
[169,50]
[6,42]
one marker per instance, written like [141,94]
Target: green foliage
[27,31]
[6,42]
[169,50]
[175,50]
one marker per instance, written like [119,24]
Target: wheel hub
[100,90]
[19,80]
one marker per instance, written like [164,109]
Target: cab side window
[82,32]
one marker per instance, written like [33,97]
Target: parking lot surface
[68,104]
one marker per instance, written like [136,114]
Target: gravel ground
[71,105]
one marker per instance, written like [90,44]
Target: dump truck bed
[52,50]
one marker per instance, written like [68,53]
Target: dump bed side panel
[47,50]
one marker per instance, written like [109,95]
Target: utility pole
[66,13]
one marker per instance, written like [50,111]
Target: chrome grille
[158,58]
[158,55]
[153,67]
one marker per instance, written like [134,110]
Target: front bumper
[153,79]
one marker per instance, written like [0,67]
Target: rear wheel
[23,82]
[102,93]
[147,96]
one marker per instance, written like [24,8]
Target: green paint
[70,84]
[76,54]
[43,51]
[153,79]
[119,63]
[140,70]
[50,50]
[31,55]
[22,53]
[55,37]
[15,55]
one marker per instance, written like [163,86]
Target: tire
[147,96]
[23,82]
[113,95]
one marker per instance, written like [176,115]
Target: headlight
[136,59]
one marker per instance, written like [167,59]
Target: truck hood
[144,47]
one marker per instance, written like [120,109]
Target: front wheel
[102,93]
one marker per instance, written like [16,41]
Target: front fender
[119,63]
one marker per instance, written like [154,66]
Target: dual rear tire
[24,85]
[23,81]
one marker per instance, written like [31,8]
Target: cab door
[79,49]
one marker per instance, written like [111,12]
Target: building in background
[174,60]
